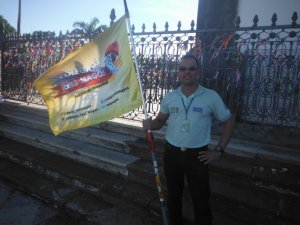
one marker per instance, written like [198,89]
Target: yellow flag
[95,83]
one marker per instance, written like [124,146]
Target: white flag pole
[149,133]
[135,58]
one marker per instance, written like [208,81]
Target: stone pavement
[30,198]
[104,174]
[19,207]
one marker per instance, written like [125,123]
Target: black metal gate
[255,69]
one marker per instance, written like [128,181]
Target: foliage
[7,28]
[89,30]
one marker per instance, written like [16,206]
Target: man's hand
[147,124]
[208,156]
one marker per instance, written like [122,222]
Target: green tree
[7,28]
[90,30]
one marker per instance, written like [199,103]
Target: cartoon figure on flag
[96,83]
[89,76]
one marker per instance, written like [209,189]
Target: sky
[265,9]
[59,15]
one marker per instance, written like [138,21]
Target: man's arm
[157,123]
[207,156]
[227,131]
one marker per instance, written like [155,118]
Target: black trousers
[177,165]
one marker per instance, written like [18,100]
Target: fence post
[1,48]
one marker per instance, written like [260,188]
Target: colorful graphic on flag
[95,83]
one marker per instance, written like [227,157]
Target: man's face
[188,72]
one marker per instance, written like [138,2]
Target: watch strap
[219,148]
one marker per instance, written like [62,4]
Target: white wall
[265,9]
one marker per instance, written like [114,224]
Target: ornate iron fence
[255,69]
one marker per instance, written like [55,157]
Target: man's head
[188,70]
[190,56]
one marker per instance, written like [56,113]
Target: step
[239,147]
[100,157]
[118,125]
[255,178]
[18,106]
[112,134]
[250,149]
[235,182]
[140,171]
[79,206]
[267,191]
[114,188]
[92,134]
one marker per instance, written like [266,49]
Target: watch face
[219,148]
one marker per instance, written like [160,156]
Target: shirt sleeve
[220,110]
[164,106]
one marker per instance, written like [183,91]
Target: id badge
[185,126]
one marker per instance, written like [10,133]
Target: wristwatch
[219,148]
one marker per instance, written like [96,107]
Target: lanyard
[188,107]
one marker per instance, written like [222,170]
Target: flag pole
[149,135]
[135,57]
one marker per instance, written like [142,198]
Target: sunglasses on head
[191,68]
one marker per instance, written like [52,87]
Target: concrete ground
[19,208]
[30,198]
[24,205]
[252,184]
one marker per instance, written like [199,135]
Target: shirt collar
[199,91]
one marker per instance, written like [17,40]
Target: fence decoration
[255,69]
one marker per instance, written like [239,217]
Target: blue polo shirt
[199,110]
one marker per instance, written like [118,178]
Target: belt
[183,149]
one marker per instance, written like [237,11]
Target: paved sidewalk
[18,208]
[30,198]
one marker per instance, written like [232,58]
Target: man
[188,112]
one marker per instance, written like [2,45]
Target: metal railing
[255,69]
